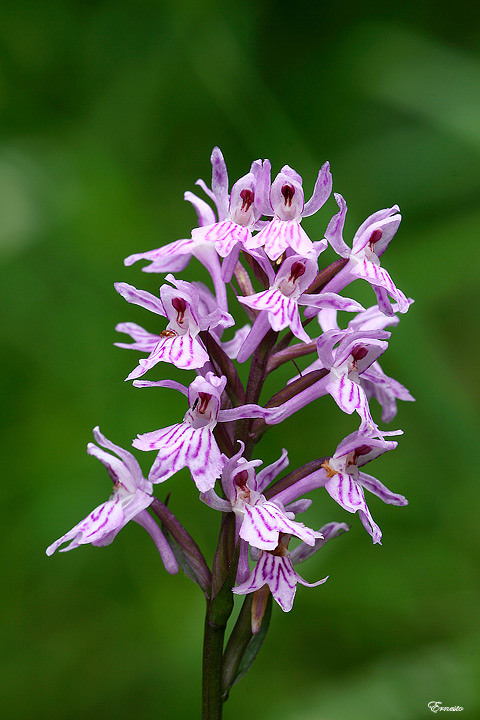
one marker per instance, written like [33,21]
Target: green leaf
[255,644]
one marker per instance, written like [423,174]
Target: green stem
[219,609]
[212,701]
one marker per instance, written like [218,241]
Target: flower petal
[263,522]
[331,530]
[321,191]
[219,180]
[143,340]
[346,492]
[378,276]
[334,231]
[204,459]
[183,351]
[269,473]
[276,572]
[106,518]
[378,489]
[140,297]
[349,495]
[330,300]
[161,259]
[205,214]
[164,549]
[348,395]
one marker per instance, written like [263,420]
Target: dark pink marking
[362,450]
[247,199]
[352,391]
[204,400]
[359,352]
[288,191]
[180,306]
[99,527]
[193,453]
[241,479]
[296,271]
[375,236]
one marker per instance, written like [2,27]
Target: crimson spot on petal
[288,191]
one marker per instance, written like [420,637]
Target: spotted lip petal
[349,495]
[183,351]
[182,446]
[263,523]
[278,573]
[224,235]
[279,235]
[348,395]
[282,311]
[378,277]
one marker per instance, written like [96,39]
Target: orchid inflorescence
[253,243]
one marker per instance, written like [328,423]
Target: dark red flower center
[204,400]
[375,237]
[296,271]
[241,479]
[288,191]
[359,352]
[180,306]
[362,450]
[248,197]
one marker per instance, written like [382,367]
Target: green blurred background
[109,111]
